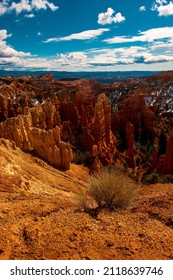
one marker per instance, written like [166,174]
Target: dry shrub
[112,189]
[85,201]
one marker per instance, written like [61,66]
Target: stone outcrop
[24,130]
[132,108]
[165,162]
[86,123]
[130,144]
[98,138]
[101,130]
[3,108]
[45,116]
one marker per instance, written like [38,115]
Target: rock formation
[132,108]
[165,162]
[101,130]
[32,133]
[69,112]
[53,118]
[130,144]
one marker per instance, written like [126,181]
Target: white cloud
[4,35]
[7,51]
[148,58]
[108,18]
[163,46]
[163,7]
[118,56]
[74,56]
[108,59]
[128,56]
[39,33]
[72,60]
[145,36]
[25,6]
[84,35]
[166,10]
[96,60]
[142,9]
[3,7]
[29,16]
[43,4]
[161,2]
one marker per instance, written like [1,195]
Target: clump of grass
[109,190]
[112,189]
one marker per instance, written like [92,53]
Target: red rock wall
[165,162]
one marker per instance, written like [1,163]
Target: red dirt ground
[40,217]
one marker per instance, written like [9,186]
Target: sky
[86,35]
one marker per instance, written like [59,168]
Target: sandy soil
[40,217]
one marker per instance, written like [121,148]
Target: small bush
[111,189]
[154,178]
[151,178]
[82,157]
[167,179]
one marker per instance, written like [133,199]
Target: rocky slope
[41,219]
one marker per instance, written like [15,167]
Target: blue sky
[88,35]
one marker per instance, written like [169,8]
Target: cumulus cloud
[145,36]
[161,2]
[84,35]
[165,10]
[109,18]
[150,59]
[4,35]
[124,56]
[108,58]
[142,9]
[73,56]
[3,7]
[163,46]
[163,7]
[73,60]
[43,4]
[7,51]
[94,59]
[25,6]
[117,56]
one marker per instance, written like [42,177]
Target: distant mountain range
[102,77]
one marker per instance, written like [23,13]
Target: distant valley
[102,77]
